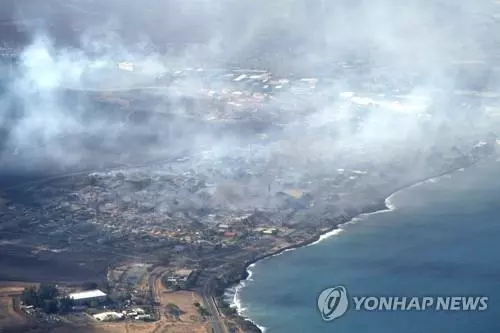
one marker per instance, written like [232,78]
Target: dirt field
[189,319]
[184,300]
[158,327]
[124,328]
[9,317]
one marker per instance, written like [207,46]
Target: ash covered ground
[226,129]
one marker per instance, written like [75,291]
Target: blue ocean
[442,238]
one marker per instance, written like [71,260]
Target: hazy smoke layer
[404,62]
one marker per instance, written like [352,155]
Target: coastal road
[215,317]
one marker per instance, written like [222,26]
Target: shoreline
[382,206]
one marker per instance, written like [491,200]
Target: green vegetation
[89,286]
[225,308]
[203,312]
[174,310]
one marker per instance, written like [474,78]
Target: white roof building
[90,294]
[108,316]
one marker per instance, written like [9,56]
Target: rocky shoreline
[246,323]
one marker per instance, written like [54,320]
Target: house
[139,311]
[108,316]
[269,231]
[180,276]
[143,317]
[172,279]
[223,226]
[230,234]
[179,248]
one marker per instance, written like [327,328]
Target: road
[215,317]
[209,302]
[153,280]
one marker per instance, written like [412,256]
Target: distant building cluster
[9,53]
[127,66]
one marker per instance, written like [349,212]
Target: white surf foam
[233,294]
[389,201]
[233,297]
[389,204]
[250,273]
[327,235]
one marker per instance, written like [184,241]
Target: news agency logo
[334,303]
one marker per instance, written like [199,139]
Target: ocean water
[441,238]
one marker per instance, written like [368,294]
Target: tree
[89,286]
[203,312]
[50,306]
[47,292]
[165,259]
[66,304]
[30,296]
[174,310]
[44,297]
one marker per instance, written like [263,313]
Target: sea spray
[327,235]
[232,297]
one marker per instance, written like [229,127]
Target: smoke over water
[115,82]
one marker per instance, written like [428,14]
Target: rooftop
[87,294]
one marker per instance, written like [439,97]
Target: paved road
[215,317]
[153,279]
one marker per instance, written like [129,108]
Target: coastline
[382,206]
